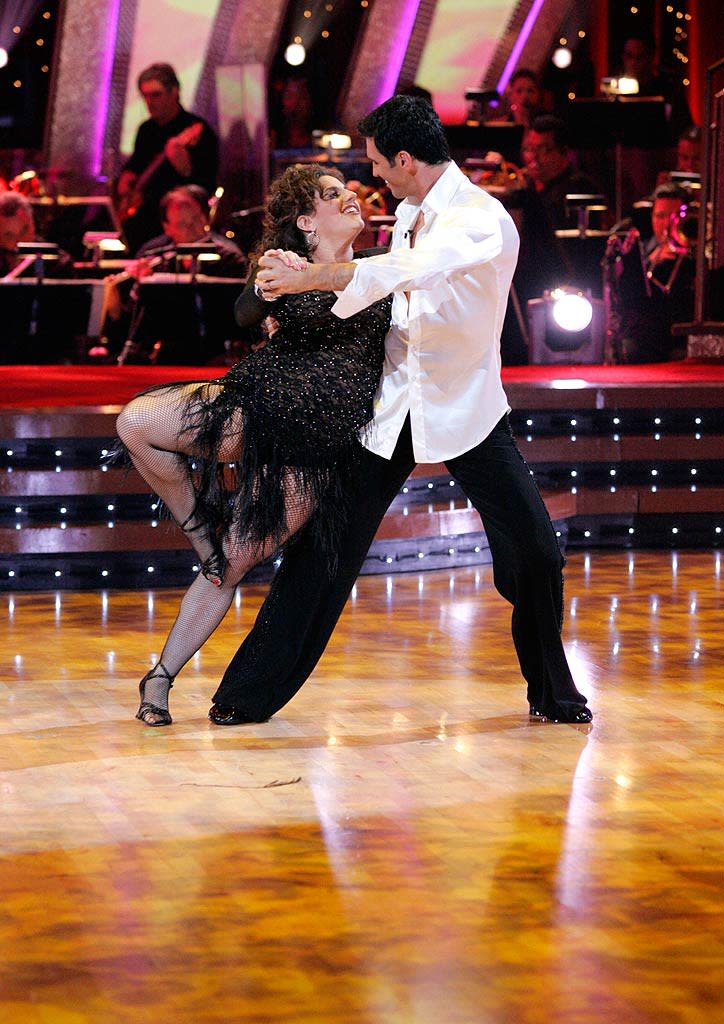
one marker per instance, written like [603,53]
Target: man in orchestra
[17,224]
[184,213]
[551,172]
[665,294]
[173,147]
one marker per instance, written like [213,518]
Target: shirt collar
[437,199]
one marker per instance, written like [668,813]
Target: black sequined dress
[298,405]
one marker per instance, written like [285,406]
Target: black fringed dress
[298,406]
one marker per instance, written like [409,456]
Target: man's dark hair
[162,73]
[413,89]
[409,123]
[669,190]
[549,123]
[523,73]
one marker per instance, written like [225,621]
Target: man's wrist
[330,277]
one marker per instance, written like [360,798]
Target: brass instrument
[683,230]
[493,173]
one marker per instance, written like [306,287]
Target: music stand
[43,325]
[637,121]
[184,322]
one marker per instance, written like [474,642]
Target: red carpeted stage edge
[48,386]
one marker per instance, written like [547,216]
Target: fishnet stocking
[151,427]
[204,606]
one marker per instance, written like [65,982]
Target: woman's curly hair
[291,196]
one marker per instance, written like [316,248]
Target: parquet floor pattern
[400,844]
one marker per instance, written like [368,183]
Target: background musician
[17,224]
[173,147]
[524,97]
[539,209]
[184,213]
[661,293]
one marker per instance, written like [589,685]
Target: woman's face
[337,216]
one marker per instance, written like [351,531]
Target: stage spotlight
[562,57]
[572,311]
[295,54]
[565,326]
[3,56]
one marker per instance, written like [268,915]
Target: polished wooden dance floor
[400,844]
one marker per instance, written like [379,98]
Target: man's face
[661,217]
[396,178]
[18,228]
[638,62]
[184,223]
[688,156]
[523,93]
[162,103]
[543,160]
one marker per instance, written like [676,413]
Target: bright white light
[336,140]
[3,56]
[562,57]
[295,54]
[627,86]
[572,312]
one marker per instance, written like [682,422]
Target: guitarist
[173,147]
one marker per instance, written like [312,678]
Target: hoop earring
[312,239]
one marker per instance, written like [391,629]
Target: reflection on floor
[399,844]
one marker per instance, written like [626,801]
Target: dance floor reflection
[400,843]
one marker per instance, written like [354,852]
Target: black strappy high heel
[213,567]
[159,671]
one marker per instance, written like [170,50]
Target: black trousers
[304,602]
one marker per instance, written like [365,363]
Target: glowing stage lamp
[3,56]
[572,311]
[562,57]
[565,326]
[295,54]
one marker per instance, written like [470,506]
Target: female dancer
[243,462]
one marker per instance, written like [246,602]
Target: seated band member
[173,147]
[284,422]
[441,398]
[660,293]
[17,224]
[184,215]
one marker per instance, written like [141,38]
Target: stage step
[621,465]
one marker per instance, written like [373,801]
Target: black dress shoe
[227,714]
[577,714]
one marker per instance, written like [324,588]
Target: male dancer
[453,254]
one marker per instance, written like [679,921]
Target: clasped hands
[279,274]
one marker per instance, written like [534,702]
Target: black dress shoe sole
[576,716]
[231,716]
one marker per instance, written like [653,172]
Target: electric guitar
[128,203]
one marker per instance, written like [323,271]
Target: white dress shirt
[442,352]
